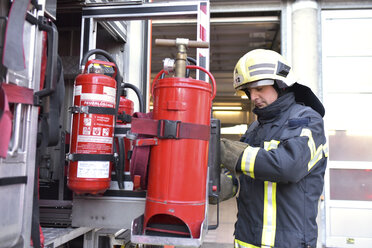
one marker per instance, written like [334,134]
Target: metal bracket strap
[92,110]
[18,94]
[168,129]
[120,130]
[91,157]
[13,180]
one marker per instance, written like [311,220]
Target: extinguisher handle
[214,90]
[100,62]
[182,41]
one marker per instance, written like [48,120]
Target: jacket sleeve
[301,148]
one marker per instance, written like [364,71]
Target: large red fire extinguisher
[177,179]
[91,145]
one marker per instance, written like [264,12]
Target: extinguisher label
[93,132]
[87,122]
[77,90]
[93,169]
[105,97]
[109,91]
[86,130]
[95,138]
[104,100]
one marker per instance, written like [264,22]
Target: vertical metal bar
[88,36]
[31,125]
[146,60]
[203,28]
[286,31]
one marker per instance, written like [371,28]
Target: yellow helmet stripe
[262,65]
[260,72]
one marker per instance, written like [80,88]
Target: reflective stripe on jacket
[283,171]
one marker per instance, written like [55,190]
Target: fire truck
[84,160]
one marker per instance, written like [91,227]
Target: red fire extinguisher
[177,177]
[91,145]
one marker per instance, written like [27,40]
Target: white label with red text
[93,169]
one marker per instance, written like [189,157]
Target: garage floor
[223,236]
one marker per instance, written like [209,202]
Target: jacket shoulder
[299,110]
[301,115]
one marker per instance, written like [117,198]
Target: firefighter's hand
[230,153]
[228,188]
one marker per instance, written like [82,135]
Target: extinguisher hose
[120,167]
[139,95]
[192,60]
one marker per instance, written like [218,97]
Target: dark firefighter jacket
[283,170]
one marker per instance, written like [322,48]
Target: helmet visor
[262,82]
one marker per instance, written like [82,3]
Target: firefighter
[281,159]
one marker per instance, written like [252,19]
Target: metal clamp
[131,136]
[92,110]
[125,118]
[79,109]
[168,129]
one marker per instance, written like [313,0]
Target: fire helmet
[262,67]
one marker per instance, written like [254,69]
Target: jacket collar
[274,111]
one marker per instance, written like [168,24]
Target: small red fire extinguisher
[122,143]
[126,106]
[93,121]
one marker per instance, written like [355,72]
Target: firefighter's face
[263,96]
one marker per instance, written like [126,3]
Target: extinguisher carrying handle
[100,62]
[214,85]
[138,93]
[214,88]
